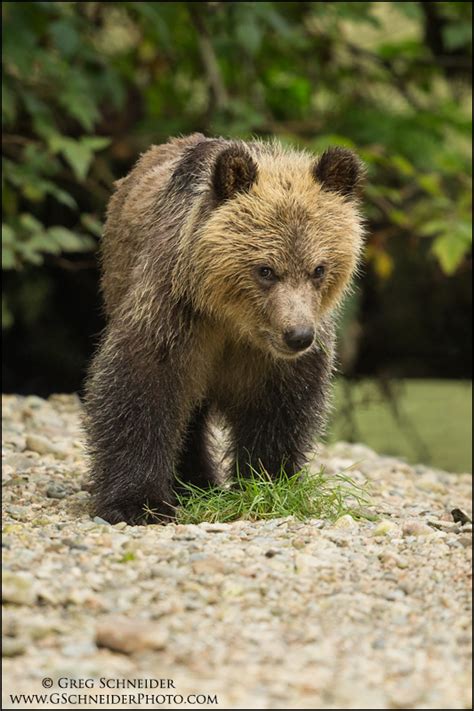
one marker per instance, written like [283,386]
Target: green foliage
[26,240]
[86,86]
[303,495]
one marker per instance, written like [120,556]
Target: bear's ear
[235,171]
[339,170]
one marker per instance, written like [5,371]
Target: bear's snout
[299,338]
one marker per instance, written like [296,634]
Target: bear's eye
[266,273]
[319,271]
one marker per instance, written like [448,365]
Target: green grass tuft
[303,495]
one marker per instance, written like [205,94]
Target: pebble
[271,553]
[215,527]
[56,491]
[445,526]
[208,565]
[391,559]
[13,647]
[346,521]
[128,636]
[18,463]
[416,528]
[42,445]
[386,528]
[18,588]
[298,543]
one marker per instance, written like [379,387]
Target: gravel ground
[277,614]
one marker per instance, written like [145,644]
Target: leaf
[382,262]
[70,241]
[8,257]
[29,254]
[450,250]
[77,98]
[434,227]
[62,196]
[79,158]
[42,242]
[79,154]
[64,37]
[431,184]
[30,223]
[96,143]
[457,35]
[249,35]
[403,165]
[41,114]
[399,217]
[92,224]
[8,235]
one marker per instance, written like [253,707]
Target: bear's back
[131,207]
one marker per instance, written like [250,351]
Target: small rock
[395,595]
[429,482]
[85,598]
[416,528]
[345,521]
[56,491]
[74,543]
[100,521]
[386,528]
[460,517]
[34,401]
[42,445]
[188,532]
[18,462]
[465,541]
[14,440]
[20,513]
[50,596]
[446,526]
[83,649]
[209,564]
[298,543]
[7,473]
[121,634]
[216,527]
[390,559]
[18,588]
[13,647]
[271,553]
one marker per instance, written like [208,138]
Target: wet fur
[187,326]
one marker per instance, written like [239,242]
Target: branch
[217,86]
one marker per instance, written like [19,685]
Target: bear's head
[280,243]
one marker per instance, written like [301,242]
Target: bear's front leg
[135,417]
[270,441]
[276,427]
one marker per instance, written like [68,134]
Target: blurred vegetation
[88,85]
[427,421]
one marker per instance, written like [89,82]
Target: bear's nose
[299,338]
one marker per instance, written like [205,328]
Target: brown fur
[194,329]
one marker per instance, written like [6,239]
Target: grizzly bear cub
[223,262]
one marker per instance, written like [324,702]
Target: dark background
[88,86]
